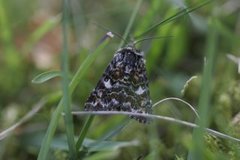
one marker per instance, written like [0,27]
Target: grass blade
[84,131]
[39,33]
[65,83]
[175,16]
[159,117]
[130,23]
[113,132]
[73,84]
[204,100]
[24,119]
[43,77]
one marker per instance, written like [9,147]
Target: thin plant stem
[173,17]
[177,99]
[131,21]
[65,83]
[165,118]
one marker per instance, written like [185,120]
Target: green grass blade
[6,34]
[84,131]
[149,16]
[115,130]
[45,76]
[112,132]
[11,55]
[50,132]
[175,16]
[204,101]
[85,65]
[65,83]
[130,23]
[40,32]
[56,115]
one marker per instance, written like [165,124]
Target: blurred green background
[31,40]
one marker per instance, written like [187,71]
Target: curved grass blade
[43,77]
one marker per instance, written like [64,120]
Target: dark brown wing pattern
[123,86]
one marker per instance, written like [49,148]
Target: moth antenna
[108,30]
[107,35]
[148,38]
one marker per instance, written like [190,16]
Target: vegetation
[53,54]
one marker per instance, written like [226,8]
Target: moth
[123,86]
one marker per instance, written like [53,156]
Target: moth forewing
[123,86]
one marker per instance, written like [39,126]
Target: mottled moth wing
[123,86]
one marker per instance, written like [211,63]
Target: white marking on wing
[115,102]
[107,84]
[139,91]
[127,69]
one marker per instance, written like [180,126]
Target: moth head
[131,46]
